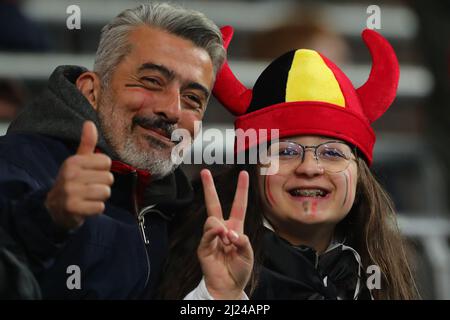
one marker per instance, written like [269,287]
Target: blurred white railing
[434,234]
[415,81]
[397,21]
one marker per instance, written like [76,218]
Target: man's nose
[170,107]
[309,166]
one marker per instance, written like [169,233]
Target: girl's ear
[89,85]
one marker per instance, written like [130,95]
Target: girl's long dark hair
[370,228]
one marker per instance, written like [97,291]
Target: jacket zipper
[141,223]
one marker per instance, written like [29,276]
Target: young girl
[321,226]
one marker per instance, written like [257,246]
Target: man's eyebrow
[169,74]
[198,86]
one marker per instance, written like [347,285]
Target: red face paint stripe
[314,208]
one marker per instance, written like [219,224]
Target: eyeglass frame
[353,150]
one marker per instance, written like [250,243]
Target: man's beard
[157,159]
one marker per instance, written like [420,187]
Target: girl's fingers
[212,202]
[242,244]
[214,223]
[237,215]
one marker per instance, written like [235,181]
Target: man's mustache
[158,123]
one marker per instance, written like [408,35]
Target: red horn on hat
[377,94]
[227,88]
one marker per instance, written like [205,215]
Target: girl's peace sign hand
[225,253]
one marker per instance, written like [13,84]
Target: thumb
[88,139]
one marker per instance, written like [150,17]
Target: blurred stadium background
[412,156]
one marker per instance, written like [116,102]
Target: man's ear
[89,85]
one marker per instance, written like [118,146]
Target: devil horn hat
[228,89]
[303,92]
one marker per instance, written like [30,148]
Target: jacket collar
[169,194]
[334,274]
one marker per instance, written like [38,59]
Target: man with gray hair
[87,185]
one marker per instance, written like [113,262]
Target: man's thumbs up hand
[83,183]
[88,139]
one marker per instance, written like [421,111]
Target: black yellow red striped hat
[302,92]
